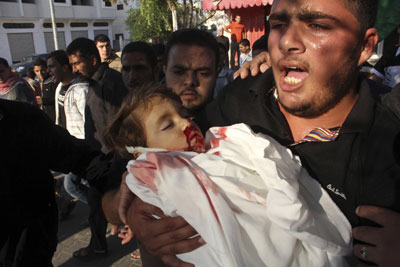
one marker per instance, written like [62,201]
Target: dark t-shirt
[360,167]
[62,121]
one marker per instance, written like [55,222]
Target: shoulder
[17,112]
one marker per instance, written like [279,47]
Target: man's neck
[336,116]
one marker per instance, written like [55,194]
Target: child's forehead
[165,101]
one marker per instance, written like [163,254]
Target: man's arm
[228,28]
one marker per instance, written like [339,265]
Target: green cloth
[388,17]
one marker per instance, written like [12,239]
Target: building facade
[26,28]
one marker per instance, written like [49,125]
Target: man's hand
[126,235]
[261,62]
[164,237]
[39,100]
[385,241]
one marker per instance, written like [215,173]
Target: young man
[316,47]
[245,52]
[238,32]
[191,66]
[102,102]
[13,87]
[70,110]
[106,54]
[138,64]
[47,88]
[106,92]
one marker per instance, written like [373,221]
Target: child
[247,196]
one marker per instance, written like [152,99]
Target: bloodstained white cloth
[249,199]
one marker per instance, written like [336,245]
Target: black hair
[101,38]
[365,11]
[143,48]
[244,42]
[83,47]
[4,62]
[192,37]
[31,74]
[61,57]
[39,62]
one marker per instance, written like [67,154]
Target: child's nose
[185,124]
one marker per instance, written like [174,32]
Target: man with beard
[103,100]
[191,61]
[314,102]
[138,64]
[70,114]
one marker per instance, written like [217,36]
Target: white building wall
[39,13]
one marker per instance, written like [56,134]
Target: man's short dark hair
[101,38]
[244,42]
[83,47]
[31,74]
[39,62]
[61,57]
[365,11]
[4,62]
[192,37]
[143,48]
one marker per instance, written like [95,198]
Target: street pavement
[73,236]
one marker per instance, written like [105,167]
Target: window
[120,7]
[81,2]
[18,25]
[28,1]
[79,24]
[49,25]
[11,1]
[100,24]
[60,1]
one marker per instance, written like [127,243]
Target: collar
[98,74]
[360,118]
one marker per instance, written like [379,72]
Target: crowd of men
[316,48]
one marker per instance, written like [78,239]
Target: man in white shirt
[245,52]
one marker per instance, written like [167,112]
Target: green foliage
[151,21]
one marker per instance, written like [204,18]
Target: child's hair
[126,128]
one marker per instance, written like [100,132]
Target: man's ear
[164,69]
[94,61]
[368,46]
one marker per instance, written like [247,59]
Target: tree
[151,21]
[155,19]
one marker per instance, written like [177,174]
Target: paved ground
[72,236]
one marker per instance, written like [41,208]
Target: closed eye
[167,125]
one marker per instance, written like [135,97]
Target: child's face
[167,126]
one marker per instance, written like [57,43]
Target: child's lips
[194,139]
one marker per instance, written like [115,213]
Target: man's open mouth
[294,75]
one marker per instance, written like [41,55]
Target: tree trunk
[191,14]
[184,15]
[172,7]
